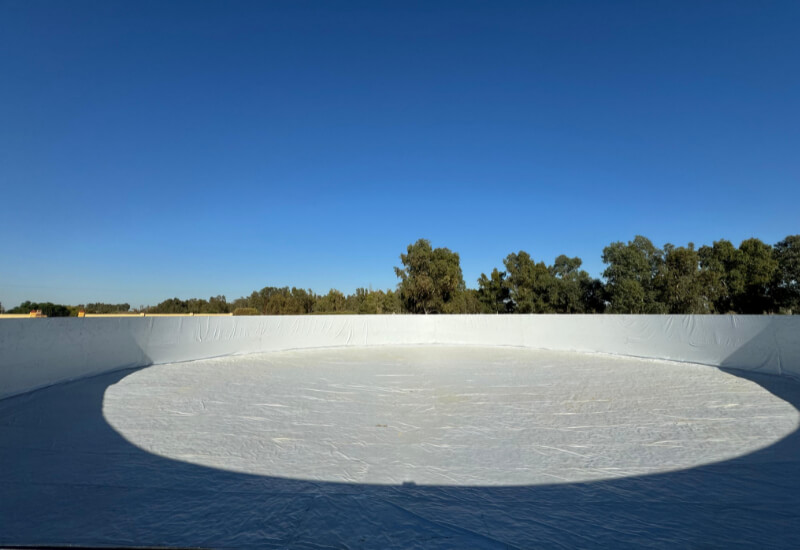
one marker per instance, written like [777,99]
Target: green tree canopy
[753,278]
[333,302]
[47,308]
[786,286]
[272,300]
[100,307]
[633,276]
[759,269]
[721,275]
[494,293]
[430,279]
[532,285]
[682,285]
[572,285]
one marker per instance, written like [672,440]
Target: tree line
[753,278]
[58,310]
[288,301]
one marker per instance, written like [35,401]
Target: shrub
[245,311]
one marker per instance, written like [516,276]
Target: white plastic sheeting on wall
[39,352]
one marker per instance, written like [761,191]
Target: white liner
[444,416]
[39,352]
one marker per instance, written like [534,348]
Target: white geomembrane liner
[440,415]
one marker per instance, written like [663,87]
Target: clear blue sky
[159,149]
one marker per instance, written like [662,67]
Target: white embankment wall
[39,352]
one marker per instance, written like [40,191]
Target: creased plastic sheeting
[442,415]
[332,449]
[38,352]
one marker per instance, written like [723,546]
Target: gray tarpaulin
[401,432]
[405,447]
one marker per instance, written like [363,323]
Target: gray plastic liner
[401,432]
[405,447]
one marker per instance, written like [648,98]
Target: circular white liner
[439,415]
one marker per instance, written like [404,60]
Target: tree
[632,276]
[739,280]
[272,300]
[100,307]
[245,311]
[362,301]
[391,302]
[759,269]
[570,283]
[171,305]
[720,274]
[333,302]
[48,309]
[494,293]
[593,294]
[217,304]
[304,300]
[472,303]
[532,285]
[431,279]
[370,301]
[465,302]
[786,286]
[681,282]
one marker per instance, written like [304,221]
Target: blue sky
[159,149]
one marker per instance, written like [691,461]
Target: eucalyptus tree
[430,279]
[722,278]
[532,286]
[571,282]
[682,285]
[759,269]
[633,276]
[786,286]
[333,302]
[494,292]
